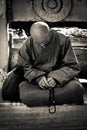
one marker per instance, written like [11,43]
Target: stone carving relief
[52,10]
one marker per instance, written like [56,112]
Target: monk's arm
[69,65]
[24,59]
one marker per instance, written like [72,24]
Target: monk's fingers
[52,83]
[42,83]
[45,82]
[49,82]
[41,86]
[49,79]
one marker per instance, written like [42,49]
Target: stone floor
[25,118]
[17,116]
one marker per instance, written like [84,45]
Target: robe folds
[56,59]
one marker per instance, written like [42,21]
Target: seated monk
[48,61]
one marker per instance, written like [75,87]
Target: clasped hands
[44,82]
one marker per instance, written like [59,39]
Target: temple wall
[50,10]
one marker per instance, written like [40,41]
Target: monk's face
[40,34]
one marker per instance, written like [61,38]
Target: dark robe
[56,60]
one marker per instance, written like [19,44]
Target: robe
[57,59]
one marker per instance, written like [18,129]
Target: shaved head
[39,32]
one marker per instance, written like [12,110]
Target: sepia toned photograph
[43,64]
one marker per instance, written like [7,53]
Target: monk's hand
[51,82]
[42,82]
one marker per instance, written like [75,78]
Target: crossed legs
[33,95]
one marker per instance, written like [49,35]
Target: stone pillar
[3,44]
[3,36]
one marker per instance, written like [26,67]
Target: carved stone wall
[52,10]
[49,10]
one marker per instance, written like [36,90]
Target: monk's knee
[78,91]
[77,87]
[23,92]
